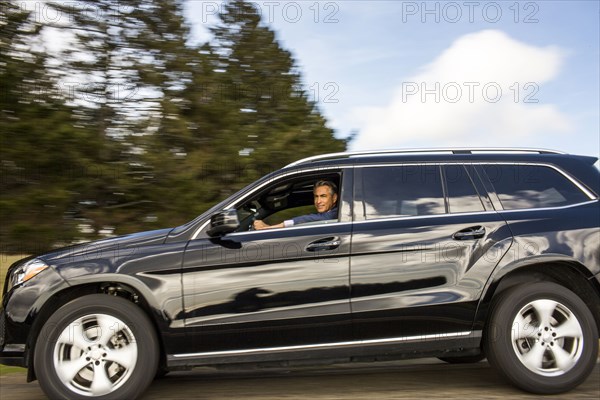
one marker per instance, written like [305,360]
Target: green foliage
[155,132]
[39,147]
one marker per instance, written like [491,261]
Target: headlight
[27,271]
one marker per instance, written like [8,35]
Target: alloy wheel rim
[95,354]
[547,337]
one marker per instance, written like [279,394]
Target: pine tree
[174,144]
[43,166]
[268,116]
[96,61]
[155,130]
[133,62]
[245,115]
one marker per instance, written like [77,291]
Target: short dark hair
[332,186]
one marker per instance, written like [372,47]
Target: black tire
[463,360]
[542,338]
[75,358]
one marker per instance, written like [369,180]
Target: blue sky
[431,74]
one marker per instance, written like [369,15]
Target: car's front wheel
[96,347]
[542,338]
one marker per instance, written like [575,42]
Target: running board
[401,347]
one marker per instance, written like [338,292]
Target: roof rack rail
[349,154]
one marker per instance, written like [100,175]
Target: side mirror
[223,222]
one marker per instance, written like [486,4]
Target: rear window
[532,186]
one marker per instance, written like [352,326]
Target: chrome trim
[325,345]
[399,164]
[450,150]
[554,167]
[338,223]
[409,217]
[548,208]
[195,235]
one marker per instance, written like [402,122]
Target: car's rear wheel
[542,338]
[96,347]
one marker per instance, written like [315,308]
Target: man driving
[325,200]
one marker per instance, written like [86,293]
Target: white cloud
[484,90]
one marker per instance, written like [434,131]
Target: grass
[5,370]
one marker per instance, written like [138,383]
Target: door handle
[324,244]
[474,232]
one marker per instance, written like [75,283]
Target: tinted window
[462,196]
[532,186]
[402,191]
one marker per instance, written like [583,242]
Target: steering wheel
[253,217]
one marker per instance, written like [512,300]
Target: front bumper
[10,353]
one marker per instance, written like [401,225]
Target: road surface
[425,379]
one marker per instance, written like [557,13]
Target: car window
[402,191]
[532,186]
[462,195]
[283,199]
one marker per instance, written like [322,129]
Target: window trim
[346,174]
[583,203]
[485,178]
[564,173]
[411,217]
[430,216]
[288,229]
[355,205]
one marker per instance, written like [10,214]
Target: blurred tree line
[128,126]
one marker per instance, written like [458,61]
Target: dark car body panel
[402,287]
[269,291]
[401,265]
[111,253]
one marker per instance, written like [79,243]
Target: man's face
[324,201]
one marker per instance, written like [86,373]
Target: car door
[272,288]
[423,246]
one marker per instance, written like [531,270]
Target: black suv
[457,254]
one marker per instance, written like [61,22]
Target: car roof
[439,155]
[580,167]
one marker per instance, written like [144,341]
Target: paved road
[399,380]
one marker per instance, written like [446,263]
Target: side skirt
[443,344]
